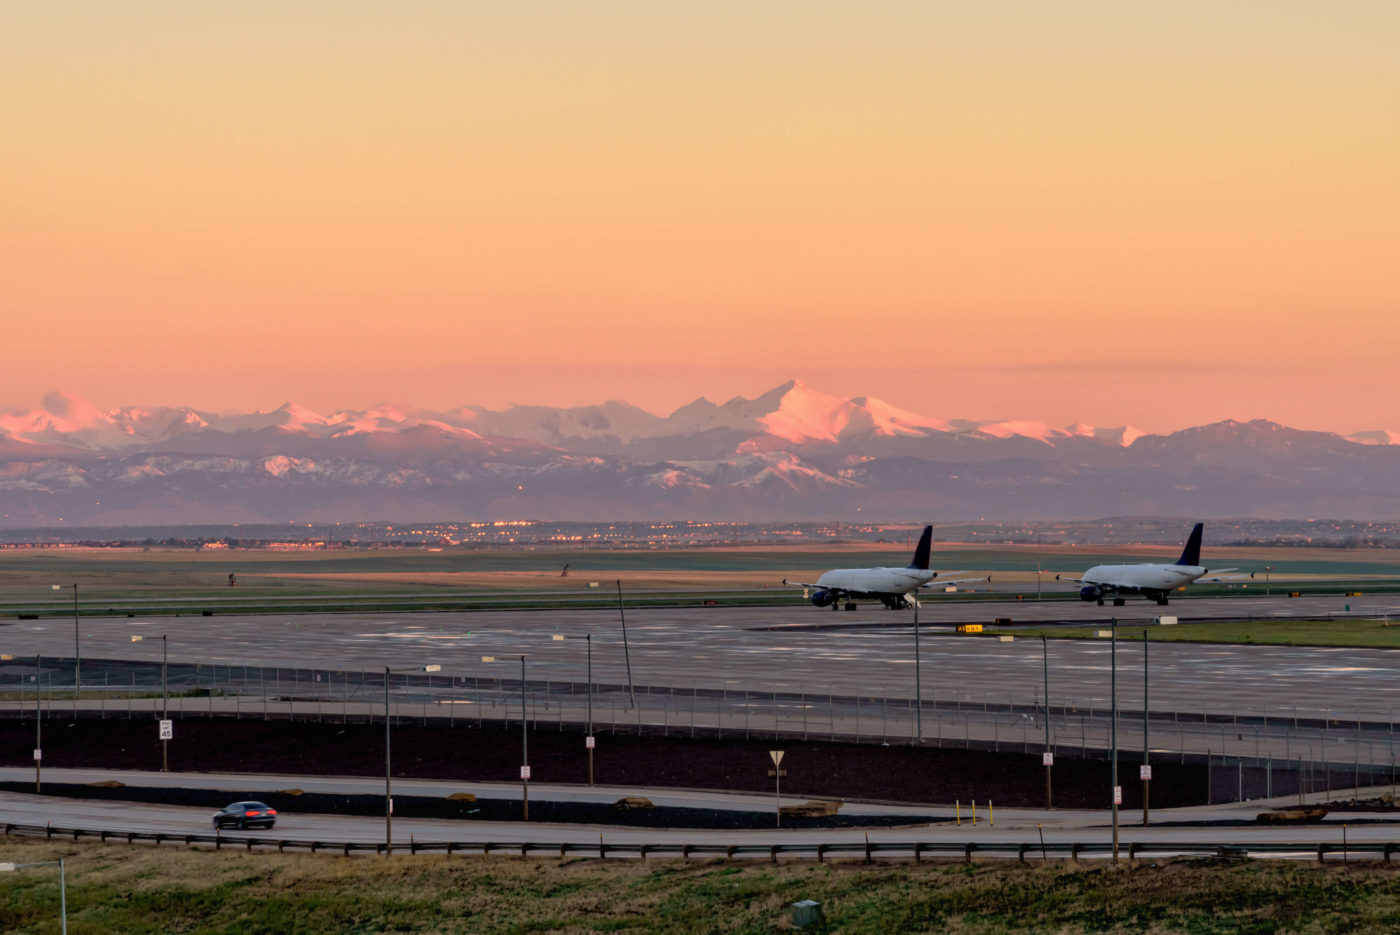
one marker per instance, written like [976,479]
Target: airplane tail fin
[921,553]
[1191,555]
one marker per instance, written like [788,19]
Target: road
[1012,826]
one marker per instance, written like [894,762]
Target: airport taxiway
[797,648]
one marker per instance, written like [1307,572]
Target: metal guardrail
[867,849]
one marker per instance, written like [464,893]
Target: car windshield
[244,806]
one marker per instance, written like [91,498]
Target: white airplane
[891,586]
[1154,582]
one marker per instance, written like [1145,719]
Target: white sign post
[1047,759]
[1145,772]
[1117,795]
[525,773]
[167,730]
[38,755]
[588,742]
[777,757]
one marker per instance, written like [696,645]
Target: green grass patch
[1381,634]
[116,888]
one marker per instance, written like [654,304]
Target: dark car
[246,815]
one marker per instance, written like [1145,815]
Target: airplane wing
[1216,578]
[945,581]
[1068,578]
[802,584]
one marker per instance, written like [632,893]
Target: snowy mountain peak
[1121,436]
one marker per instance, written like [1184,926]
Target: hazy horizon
[60,403]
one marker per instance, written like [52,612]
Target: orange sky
[1153,213]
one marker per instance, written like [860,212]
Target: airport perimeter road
[1011,826]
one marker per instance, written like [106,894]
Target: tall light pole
[1267,569]
[524,741]
[8,867]
[1146,748]
[1113,726]
[164,702]
[388,788]
[589,739]
[38,723]
[77,648]
[918,682]
[626,653]
[1045,669]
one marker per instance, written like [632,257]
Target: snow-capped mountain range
[791,453]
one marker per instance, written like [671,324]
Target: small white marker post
[777,756]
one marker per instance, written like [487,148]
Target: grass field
[141,889]
[1362,633]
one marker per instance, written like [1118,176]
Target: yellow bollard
[957,811]
[991,815]
[974,813]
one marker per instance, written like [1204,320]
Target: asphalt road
[1011,825]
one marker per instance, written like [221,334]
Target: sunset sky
[1154,213]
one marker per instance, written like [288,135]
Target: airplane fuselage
[1143,577]
[876,582]
[1153,581]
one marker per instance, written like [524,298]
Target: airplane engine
[1089,594]
[823,598]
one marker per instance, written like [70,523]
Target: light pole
[918,682]
[524,741]
[388,788]
[77,648]
[1267,569]
[588,741]
[1113,726]
[38,723]
[1045,669]
[1146,748]
[165,726]
[7,867]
